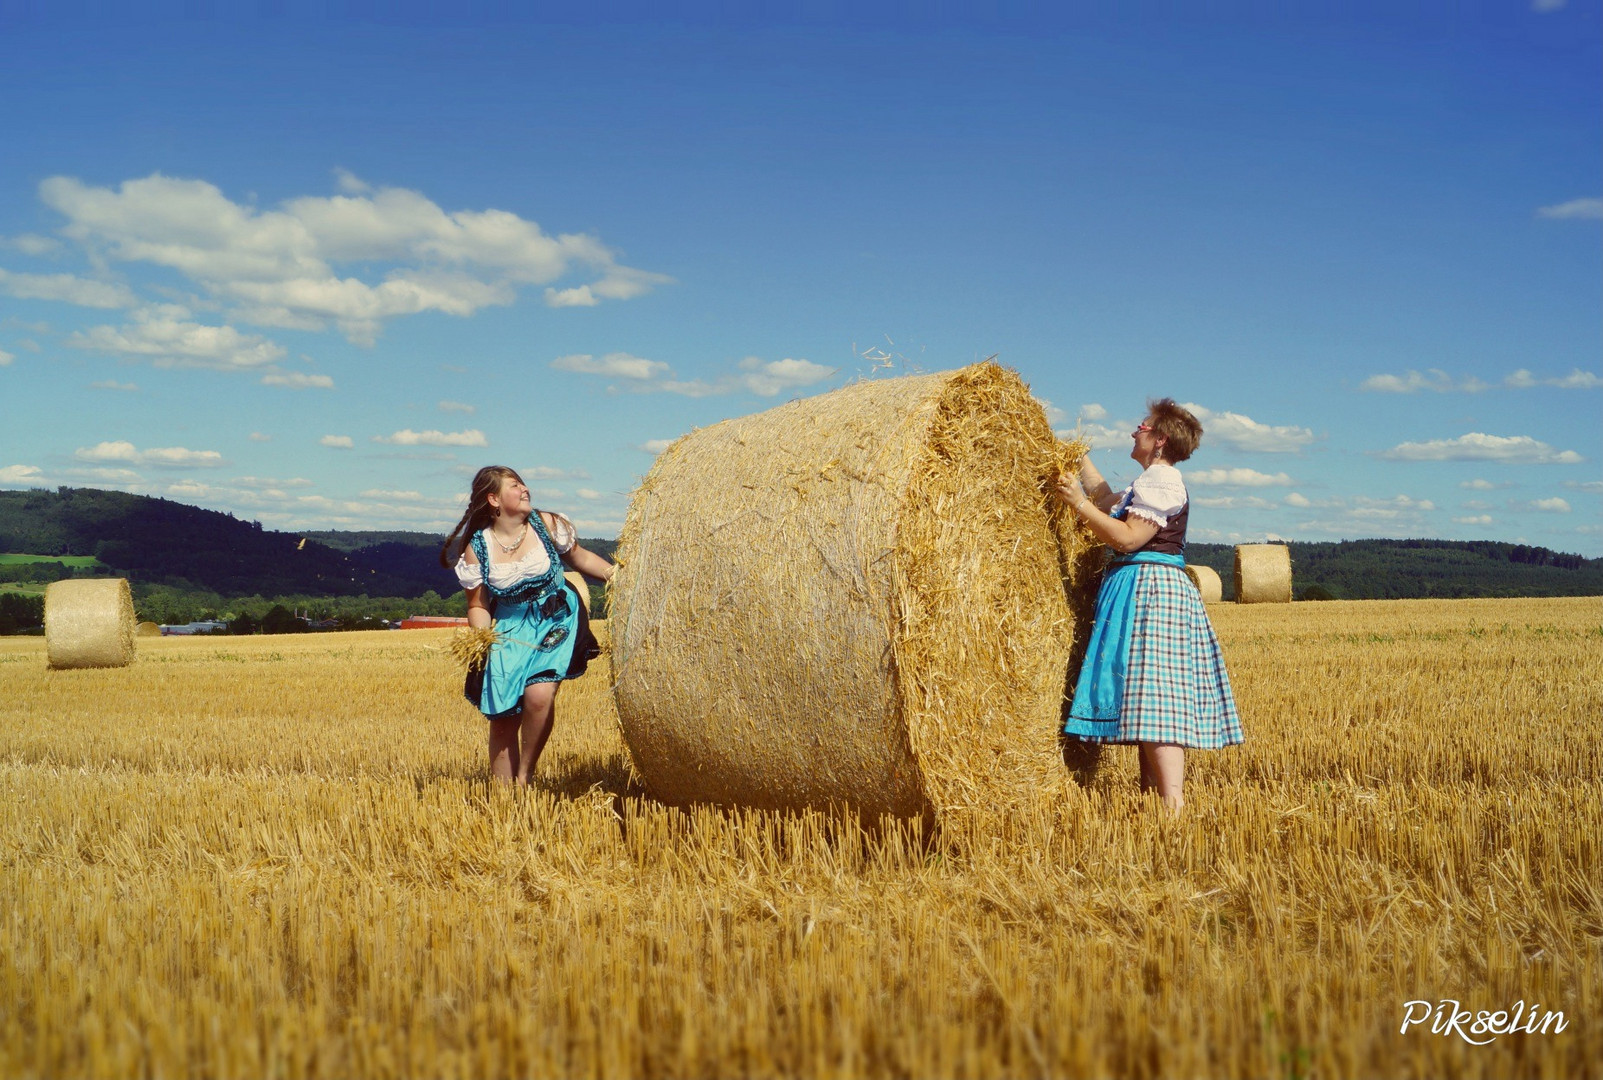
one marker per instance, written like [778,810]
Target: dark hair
[1182,432]
[486,482]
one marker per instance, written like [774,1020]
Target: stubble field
[281,856]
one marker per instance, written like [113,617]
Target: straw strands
[1206,579]
[147,629]
[853,599]
[255,877]
[89,623]
[580,586]
[1263,574]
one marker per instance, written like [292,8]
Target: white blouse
[533,563]
[1157,494]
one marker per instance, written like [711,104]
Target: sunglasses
[1139,430]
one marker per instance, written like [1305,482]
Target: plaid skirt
[1153,669]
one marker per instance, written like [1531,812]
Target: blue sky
[316,269]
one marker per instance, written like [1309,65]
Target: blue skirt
[1153,670]
[532,647]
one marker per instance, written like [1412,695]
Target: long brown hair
[486,482]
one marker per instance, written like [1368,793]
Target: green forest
[186,564]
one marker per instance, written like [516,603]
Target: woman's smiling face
[514,497]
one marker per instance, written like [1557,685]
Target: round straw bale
[580,586]
[1263,574]
[89,622]
[856,599]
[1206,579]
[148,629]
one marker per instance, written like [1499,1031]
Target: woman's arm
[478,611]
[1122,536]
[1096,489]
[479,616]
[588,563]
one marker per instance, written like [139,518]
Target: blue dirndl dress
[1153,669]
[543,632]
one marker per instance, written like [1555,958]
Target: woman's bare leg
[539,713]
[1163,769]
[504,748]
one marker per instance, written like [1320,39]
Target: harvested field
[280,856]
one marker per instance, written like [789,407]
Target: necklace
[510,548]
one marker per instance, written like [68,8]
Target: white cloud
[1435,380]
[257,436]
[1512,449]
[351,184]
[576,297]
[1099,436]
[1583,209]
[457,407]
[172,457]
[67,288]
[1237,478]
[405,496]
[655,446]
[1548,506]
[1244,433]
[1054,415]
[20,474]
[115,476]
[269,482]
[1093,412]
[1477,519]
[1479,484]
[32,244]
[298,265]
[297,380]
[164,335]
[408,437]
[113,384]
[1546,6]
[551,472]
[1298,500]
[1595,486]
[765,378]
[589,493]
[1235,502]
[339,442]
[1575,380]
[6,358]
[618,365]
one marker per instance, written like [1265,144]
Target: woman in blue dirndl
[1153,673]
[511,565]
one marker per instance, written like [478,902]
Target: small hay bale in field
[856,599]
[148,629]
[1206,579]
[580,586]
[89,623]
[1263,574]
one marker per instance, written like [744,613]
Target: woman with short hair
[1153,673]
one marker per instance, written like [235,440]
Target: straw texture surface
[580,586]
[1206,579]
[148,629]
[856,599]
[1263,574]
[89,623]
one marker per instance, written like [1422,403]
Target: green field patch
[78,561]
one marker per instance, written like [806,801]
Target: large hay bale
[853,599]
[89,623]
[580,586]
[1263,574]
[148,629]
[1206,579]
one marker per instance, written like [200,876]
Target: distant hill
[160,542]
[1416,569]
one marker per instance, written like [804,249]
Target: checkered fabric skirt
[1153,670]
